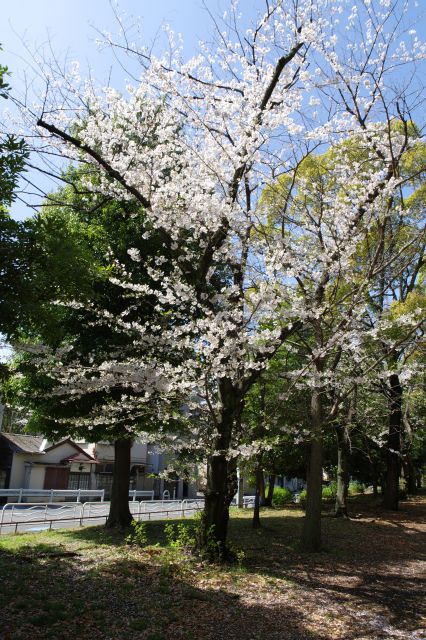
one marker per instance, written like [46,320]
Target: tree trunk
[262,496]
[119,513]
[257,498]
[232,482]
[340,509]
[391,493]
[216,506]
[271,487]
[311,533]
[240,495]
[216,510]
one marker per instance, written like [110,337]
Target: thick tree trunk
[119,513]
[393,464]
[271,487]
[216,506]
[216,509]
[311,533]
[340,509]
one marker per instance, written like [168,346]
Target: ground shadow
[376,563]
[91,584]
[46,594]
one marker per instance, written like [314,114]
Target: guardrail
[52,493]
[141,494]
[15,516]
[248,501]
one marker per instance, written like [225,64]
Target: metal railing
[50,494]
[141,494]
[248,501]
[15,517]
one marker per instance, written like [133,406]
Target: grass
[88,583]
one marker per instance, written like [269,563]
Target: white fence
[20,517]
[248,502]
[51,494]
[141,494]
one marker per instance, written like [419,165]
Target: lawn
[367,583]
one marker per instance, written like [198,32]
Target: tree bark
[271,487]
[119,513]
[393,463]
[262,495]
[216,510]
[240,495]
[216,506]
[311,533]
[340,509]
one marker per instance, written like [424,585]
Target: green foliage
[13,153]
[356,487]
[302,499]
[139,534]
[329,492]
[281,497]
[181,536]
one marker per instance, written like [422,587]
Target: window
[79,481]
[104,481]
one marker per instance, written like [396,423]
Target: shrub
[138,535]
[329,492]
[281,497]
[302,499]
[356,487]
[180,536]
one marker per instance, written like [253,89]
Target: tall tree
[251,109]
[91,235]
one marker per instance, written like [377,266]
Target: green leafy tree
[77,246]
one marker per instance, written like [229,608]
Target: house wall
[17,472]
[37,477]
[21,478]
[59,453]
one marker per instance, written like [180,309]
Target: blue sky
[71,27]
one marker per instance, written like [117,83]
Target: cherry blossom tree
[242,113]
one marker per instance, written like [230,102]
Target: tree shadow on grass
[91,584]
[45,595]
[373,565]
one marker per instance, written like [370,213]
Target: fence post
[51,495]
[78,495]
[45,513]
[20,496]
[103,495]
